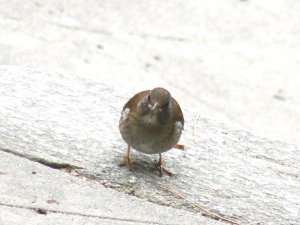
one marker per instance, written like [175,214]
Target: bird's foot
[158,166]
[127,163]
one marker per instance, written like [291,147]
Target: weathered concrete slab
[18,215]
[42,195]
[51,117]
[229,60]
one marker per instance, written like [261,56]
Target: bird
[151,122]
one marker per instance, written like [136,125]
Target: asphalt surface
[236,62]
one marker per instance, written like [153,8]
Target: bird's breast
[149,138]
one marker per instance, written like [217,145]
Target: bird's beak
[154,106]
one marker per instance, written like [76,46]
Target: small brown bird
[151,122]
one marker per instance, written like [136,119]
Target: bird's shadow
[145,166]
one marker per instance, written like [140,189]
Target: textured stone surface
[41,195]
[62,118]
[235,61]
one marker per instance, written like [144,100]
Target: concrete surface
[234,61]
[28,186]
[58,120]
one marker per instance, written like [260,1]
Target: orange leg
[127,161]
[159,167]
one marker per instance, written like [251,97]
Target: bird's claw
[127,163]
[158,166]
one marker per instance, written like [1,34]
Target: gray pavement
[29,186]
[236,62]
[60,148]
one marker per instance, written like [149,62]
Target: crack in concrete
[44,211]
[45,162]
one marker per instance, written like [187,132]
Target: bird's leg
[159,167]
[127,161]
